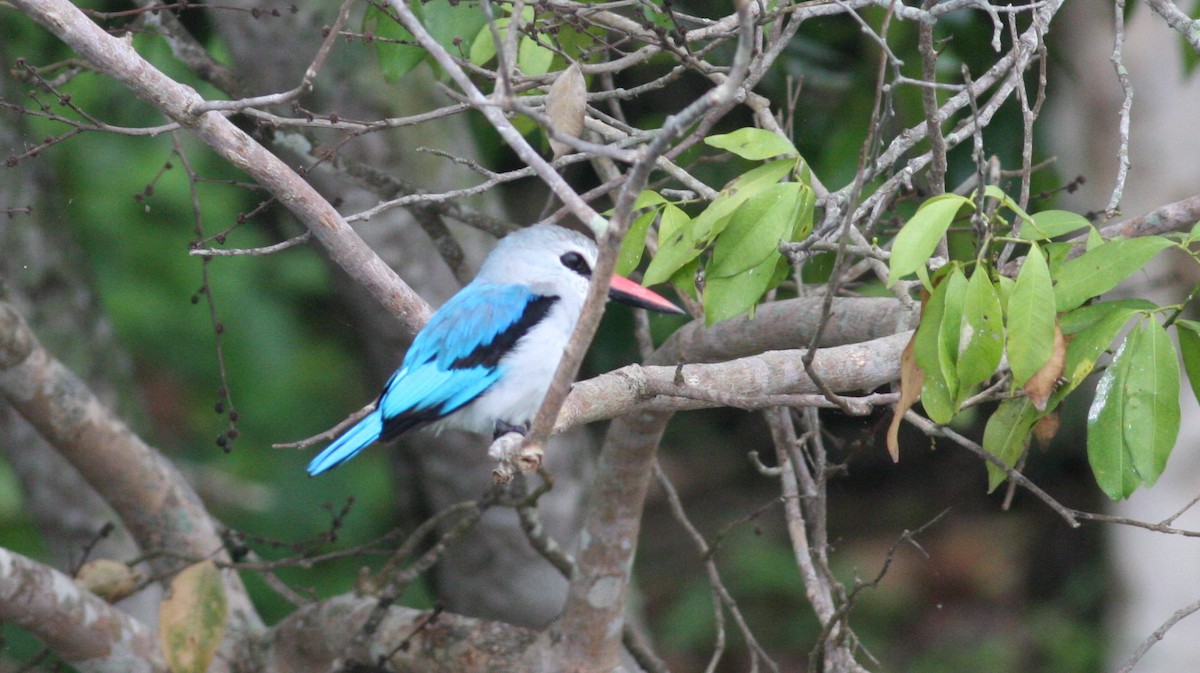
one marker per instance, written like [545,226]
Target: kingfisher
[484,361]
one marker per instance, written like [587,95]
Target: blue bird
[485,360]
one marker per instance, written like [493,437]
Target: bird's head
[559,261]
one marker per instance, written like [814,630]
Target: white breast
[529,368]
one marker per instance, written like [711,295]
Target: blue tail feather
[363,434]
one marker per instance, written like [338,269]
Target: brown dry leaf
[566,105]
[911,380]
[192,617]
[109,579]
[1046,428]
[1039,386]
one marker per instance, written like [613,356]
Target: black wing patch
[397,425]
[490,354]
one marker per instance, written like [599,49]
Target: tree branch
[90,634]
[319,638]
[862,366]
[118,59]
[153,500]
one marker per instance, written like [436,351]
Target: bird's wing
[479,325]
[456,357]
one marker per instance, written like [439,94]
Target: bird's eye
[575,262]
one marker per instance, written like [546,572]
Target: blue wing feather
[472,319]
[452,361]
[357,438]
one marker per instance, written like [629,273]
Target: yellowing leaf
[566,105]
[192,618]
[1039,386]
[109,579]
[911,380]
[1046,428]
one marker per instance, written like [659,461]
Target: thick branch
[117,58]
[783,324]
[863,366]
[319,637]
[77,625]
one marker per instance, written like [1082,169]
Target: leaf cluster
[1045,325]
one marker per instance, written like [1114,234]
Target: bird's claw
[511,454]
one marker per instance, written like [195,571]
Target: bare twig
[1158,634]
[1126,104]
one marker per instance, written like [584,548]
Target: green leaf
[935,392]
[1007,435]
[483,47]
[1051,223]
[1103,268]
[755,230]
[648,198]
[1091,336]
[684,279]
[192,618]
[981,339]
[533,58]
[1083,317]
[754,144]
[676,245]
[804,216]
[634,244]
[1057,253]
[1030,338]
[1004,288]
[951,329]
[1006,201]
[1109,456]
[1189,56]
[1151,417]
[1193,235]
[1134,419]
[730,296]
[687,243]
[395,60]
[449,22]
[716,215]
[1189,345]
[915,243]
[446,22]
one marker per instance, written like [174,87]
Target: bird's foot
[511,454]
[503,428]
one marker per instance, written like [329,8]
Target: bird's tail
[357,438]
